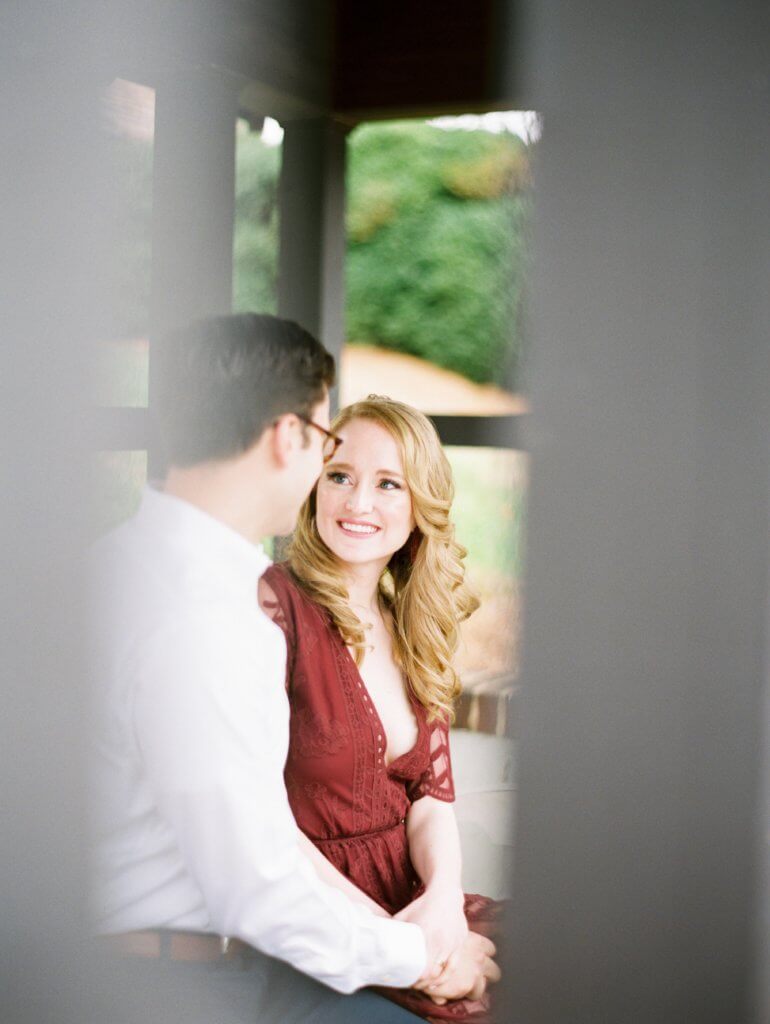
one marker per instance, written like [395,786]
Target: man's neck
[214,488]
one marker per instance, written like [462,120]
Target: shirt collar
[201,540]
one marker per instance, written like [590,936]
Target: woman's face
[363,505]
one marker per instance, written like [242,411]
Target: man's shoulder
[117,542]
[146,585]
[125,558]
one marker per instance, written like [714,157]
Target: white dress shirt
[193,828]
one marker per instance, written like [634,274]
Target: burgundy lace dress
[344,797]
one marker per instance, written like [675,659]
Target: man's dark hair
[223,380]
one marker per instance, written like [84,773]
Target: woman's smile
[357,529]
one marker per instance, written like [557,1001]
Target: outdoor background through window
[437,260]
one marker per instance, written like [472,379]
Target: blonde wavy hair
[423,586]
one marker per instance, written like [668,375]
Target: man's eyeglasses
[331,441]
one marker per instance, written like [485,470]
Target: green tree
[437,247]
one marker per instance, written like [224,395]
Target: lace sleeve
[436,780]
[271,605]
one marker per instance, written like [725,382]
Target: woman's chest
[386,689]
[344,714]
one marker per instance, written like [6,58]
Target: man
[197,855]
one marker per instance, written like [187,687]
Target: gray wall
[634,879]
[761,979]
[52,280]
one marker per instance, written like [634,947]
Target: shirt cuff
[402,954]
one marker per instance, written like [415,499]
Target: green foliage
[436,244]
[489,509]
[255,270]
[373,207]
[493,175]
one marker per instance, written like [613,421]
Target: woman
[370,601]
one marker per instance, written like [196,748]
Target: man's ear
[283,439]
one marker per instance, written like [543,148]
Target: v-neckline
[368,697]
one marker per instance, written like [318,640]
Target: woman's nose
[359,500]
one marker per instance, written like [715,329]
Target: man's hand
[439,912]
[466,973]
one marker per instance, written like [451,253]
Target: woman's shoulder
[277,572]
[279,582]
[280,599]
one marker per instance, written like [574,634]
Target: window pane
[438,218]
[257,169]
[118,481]
[129,113]
[489,513]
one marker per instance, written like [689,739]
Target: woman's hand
[467,973]
[439,912]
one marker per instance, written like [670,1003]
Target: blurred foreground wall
[50,269]
[639,839]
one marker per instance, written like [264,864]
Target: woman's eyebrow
[334,464]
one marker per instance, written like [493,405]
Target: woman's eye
[390,485]
[337,478]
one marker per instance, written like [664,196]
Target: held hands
[439,912]
[461,961]
[466,974]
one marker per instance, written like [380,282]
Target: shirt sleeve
[437,779]
[210,716]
